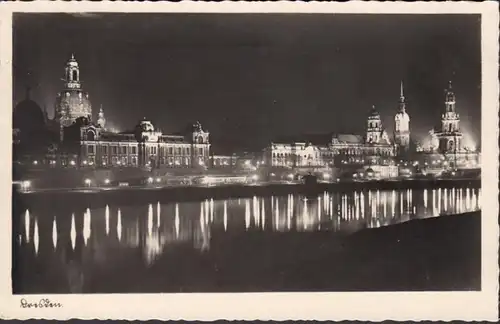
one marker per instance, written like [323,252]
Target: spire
[101,120]
[45,112]
[402,103]
[72,56]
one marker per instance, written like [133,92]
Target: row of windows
[152,150]
[376,151]
[162,161]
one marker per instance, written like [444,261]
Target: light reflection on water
[102,234]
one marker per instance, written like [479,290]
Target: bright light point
[247,163]
[26,184]
[150,180]
[87,181]
[158,179]
[255,177]
[326,176]
[106,181]
[35,162]
[72,162]
[103,163]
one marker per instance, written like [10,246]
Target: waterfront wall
[131,196]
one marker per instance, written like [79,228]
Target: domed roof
[74,103]
[146,126]
[72,61]
[374,113]
[28,116]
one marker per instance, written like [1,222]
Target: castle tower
[374,127]
[450,137]
[101,121]
[72,103]
[402,125]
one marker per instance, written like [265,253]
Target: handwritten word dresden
[42,303]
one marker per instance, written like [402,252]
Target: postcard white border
[277,306]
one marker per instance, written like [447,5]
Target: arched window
[90,136]
[200,139]
[449,128]
[451,145]
[75,75]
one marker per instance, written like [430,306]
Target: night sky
[249,78]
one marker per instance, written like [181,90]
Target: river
[209,245]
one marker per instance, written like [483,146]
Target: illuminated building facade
[402,127]
[446,146]
[334,149]
[72,102]
[80,141]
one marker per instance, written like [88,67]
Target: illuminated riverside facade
[75,139]
[375,149]
[341,150]
[446,144]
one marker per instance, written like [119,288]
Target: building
[402,128]
[82,141]
[319,152]
[446,147]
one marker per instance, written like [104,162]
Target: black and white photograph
[179,153]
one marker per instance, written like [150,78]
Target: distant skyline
[250,78]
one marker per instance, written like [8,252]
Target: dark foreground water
[289,243]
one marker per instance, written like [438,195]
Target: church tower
[402,125]
[450,137]
[72,103]
[101,121]
[374,127]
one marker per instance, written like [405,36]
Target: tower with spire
[402,125]
[101,120]
[450,136]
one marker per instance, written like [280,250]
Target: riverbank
[130,196]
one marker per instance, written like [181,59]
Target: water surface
[211,245]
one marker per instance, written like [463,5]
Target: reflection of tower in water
[54,233]
[27,225]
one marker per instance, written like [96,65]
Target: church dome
[73,104]
[28,116]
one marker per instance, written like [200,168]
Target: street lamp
[26,185]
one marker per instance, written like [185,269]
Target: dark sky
[249,78]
